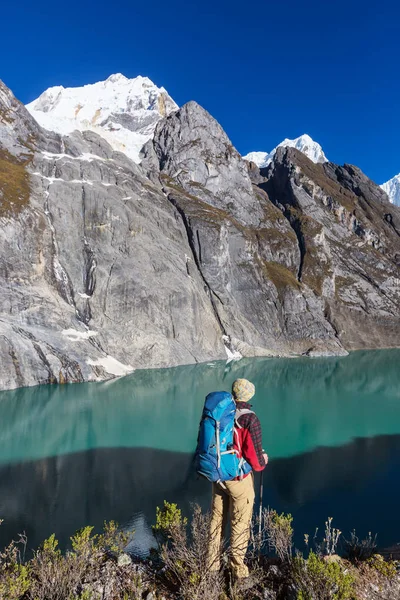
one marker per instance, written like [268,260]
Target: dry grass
[5,117]
[14,184]
[280,276]
[316,172]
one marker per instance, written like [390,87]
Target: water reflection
[357,484]
[302,404]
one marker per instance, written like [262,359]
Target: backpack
[216,459]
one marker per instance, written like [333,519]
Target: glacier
[392,188]
[123,111]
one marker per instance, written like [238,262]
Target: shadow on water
[356,483]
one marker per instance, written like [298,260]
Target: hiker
[233,497]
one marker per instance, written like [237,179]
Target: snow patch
[231,353]
[76,336]
[53,179]
[86,156]
[111,365]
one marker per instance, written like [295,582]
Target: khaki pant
[236,501]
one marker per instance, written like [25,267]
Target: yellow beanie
[243,390]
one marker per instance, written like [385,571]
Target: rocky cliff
[194,254]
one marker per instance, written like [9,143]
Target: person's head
[243,390]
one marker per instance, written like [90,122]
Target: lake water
[80,454]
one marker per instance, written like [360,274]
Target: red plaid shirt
[249,444]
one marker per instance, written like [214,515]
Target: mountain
[303,143]
[194,254]
[392,188]
[123,111]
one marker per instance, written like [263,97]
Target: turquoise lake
[79,454]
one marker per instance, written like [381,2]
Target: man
[236,498]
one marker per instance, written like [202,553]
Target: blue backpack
[215,456]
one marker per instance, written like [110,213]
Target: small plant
[55,576]
[258,536]
[358,550]
[14,576]
[386,568]
[331,539]
[113,540]
[185,554]
[279,532]
[318,578]
[329,543]
[169,521]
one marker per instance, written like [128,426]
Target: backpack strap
[239,413]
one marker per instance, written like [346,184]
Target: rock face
[107,266]
[242,245]
[348,235]
[93,263]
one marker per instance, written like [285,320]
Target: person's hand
[265,458]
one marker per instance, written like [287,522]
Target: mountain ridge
[193,255]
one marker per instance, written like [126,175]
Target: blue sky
[266,70]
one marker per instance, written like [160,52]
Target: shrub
[85,572]
[14,576]
[185,557]
[386,568]
[331,539]
[169,521]
[358,550]
[318,579]
[279,532]
[328,545]
[53,576]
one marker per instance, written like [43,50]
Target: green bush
[387,568]
[321,579]
[14,576]
[168,521]
[14,581]
[75,574]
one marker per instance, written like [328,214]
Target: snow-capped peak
[392,188]
[116,77]
[304,143]
[124,111]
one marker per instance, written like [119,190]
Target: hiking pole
[261,499]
